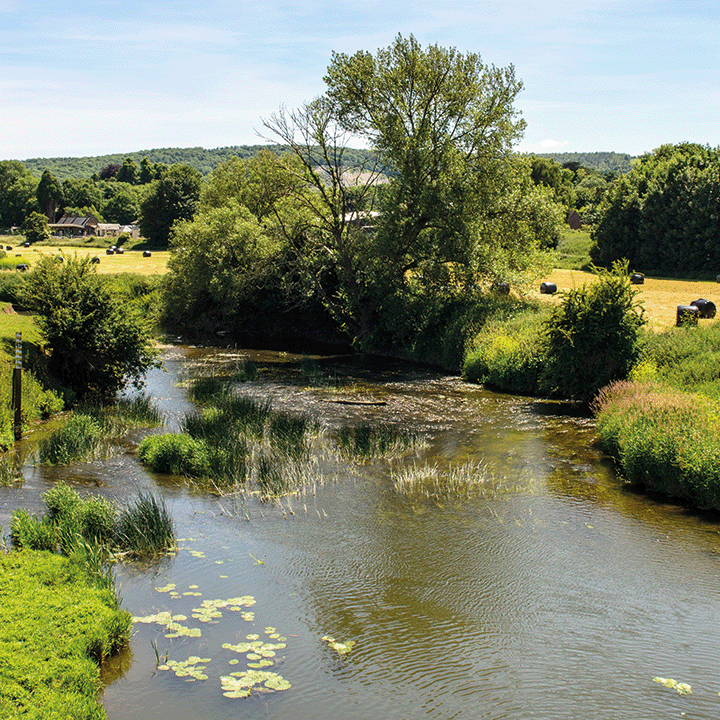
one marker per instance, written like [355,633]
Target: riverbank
[659,424]
[57,628]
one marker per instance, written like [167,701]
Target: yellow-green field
[131,261]
[659,297]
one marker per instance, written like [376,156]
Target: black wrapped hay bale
[146,253]
[637,278]
[706,308]
[687,315]
[548,288]
[503,288]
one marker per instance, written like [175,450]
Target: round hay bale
[503,288]
[637,278]
[109,251]
[95,260]
[147,253]
[548,288]
[22,267]
[687,315]
[706,308]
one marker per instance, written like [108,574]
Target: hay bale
[687,315]
[706,308]
[637,279]
[548,288]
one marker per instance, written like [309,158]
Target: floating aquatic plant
[341,648]
[680,687]
[188,669]
[171,623]
[239,684]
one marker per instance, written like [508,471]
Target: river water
[554,592]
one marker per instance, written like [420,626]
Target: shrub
[592,337]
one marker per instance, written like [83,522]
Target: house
[71,226]
[108,229]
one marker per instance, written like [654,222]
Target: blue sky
[89,78]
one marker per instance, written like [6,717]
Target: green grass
[56,626]
[573,250]
[91,430]
[145,527]
[662,438]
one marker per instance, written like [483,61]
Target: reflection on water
[555,594]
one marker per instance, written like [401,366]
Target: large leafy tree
[664,215]
[18,196]
[49,194]
[173,197]
[98,344]
[442,126]
[444,123]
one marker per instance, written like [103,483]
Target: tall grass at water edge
[432,482]
[92,528]
[89,431]
[235,441]
[662,438]
[366,441]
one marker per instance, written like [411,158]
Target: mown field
[659,296]
[131,261]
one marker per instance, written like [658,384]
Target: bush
[98,343]
[592,337]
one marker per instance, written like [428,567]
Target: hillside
[603,161]
[200,158]
[205,160]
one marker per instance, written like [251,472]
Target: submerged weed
[365,442]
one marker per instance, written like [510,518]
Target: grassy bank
[57,627]
[660,423]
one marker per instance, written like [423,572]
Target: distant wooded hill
[200,158]
[205,160]
[603,161]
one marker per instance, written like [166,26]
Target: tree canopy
[664,216]
[98,345]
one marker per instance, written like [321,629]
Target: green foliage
[145,526]
[606,162]
[78,439]
[509,354]
[17,193]
[662,216]
[58,624]
[90,528]
[174,454]
[49,194]
[98,345]
[35,227]
[592,336]
[664,439]
[171,198]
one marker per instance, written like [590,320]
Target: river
[553,592]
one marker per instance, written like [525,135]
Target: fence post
[17,386]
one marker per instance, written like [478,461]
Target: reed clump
[235,441]
[433,482]
[366,442]
[94,529]
[90,431]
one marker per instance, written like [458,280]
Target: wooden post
[17,387]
